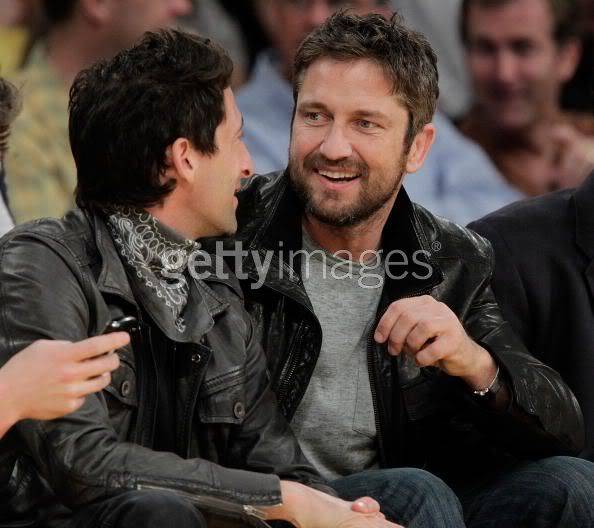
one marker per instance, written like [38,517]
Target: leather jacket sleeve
[544,417]
[80,455]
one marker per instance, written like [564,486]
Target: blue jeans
[553,492]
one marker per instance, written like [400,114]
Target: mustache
[317,161]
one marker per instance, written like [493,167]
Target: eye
[314,117]
[366,125]
[523,47]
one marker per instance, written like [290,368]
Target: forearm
[542,411]
[305,507]
[8,412]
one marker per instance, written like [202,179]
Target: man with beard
[411,366]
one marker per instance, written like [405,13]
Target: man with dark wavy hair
[386,346]
[188,428]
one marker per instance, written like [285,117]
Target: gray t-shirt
[335,421]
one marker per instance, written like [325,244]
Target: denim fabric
[556,492]
[411,497]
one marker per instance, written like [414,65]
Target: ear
[97,12]
[183,161]
[568,58]
[420,148]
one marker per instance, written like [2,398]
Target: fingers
[424,332]
[386,323]
[395,310]
[84,388]
[92,368]
[409,323]
[95,346]
[431,354]
[400,332]
[366,505]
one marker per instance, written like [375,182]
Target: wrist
[9,412]
[483,369]
[292,504]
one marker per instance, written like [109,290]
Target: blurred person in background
[520,53]
[17,18]
[10,104]
[439,22]
[458,180]
[41,170]
[578,93]
[210,19]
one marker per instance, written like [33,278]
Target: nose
[505,67]
[335,145]
[247,167]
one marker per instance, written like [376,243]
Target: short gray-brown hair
[405,56]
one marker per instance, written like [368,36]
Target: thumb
[365,505]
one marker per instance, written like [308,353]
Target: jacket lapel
[584,226]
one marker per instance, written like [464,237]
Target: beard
[371,198]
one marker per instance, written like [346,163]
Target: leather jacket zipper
[371,363]
[289,367]
[377,411]
[212,504]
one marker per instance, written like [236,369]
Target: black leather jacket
[424,418]
[63,279]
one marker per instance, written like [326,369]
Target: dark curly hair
[405,56]
[126,111]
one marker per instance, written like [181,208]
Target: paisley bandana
[149,248]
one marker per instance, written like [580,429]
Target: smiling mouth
[337,176]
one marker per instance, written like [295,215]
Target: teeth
[338,175]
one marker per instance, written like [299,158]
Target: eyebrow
[365,114]
[313,105]
[373,114]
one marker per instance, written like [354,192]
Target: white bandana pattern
[143,246]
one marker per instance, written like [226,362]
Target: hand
[575,158]
[431,333]
[51,378]
[309,508]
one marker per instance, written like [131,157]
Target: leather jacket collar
[113,279]
[274,224]
[584,218]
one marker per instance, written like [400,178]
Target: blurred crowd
[516,89]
